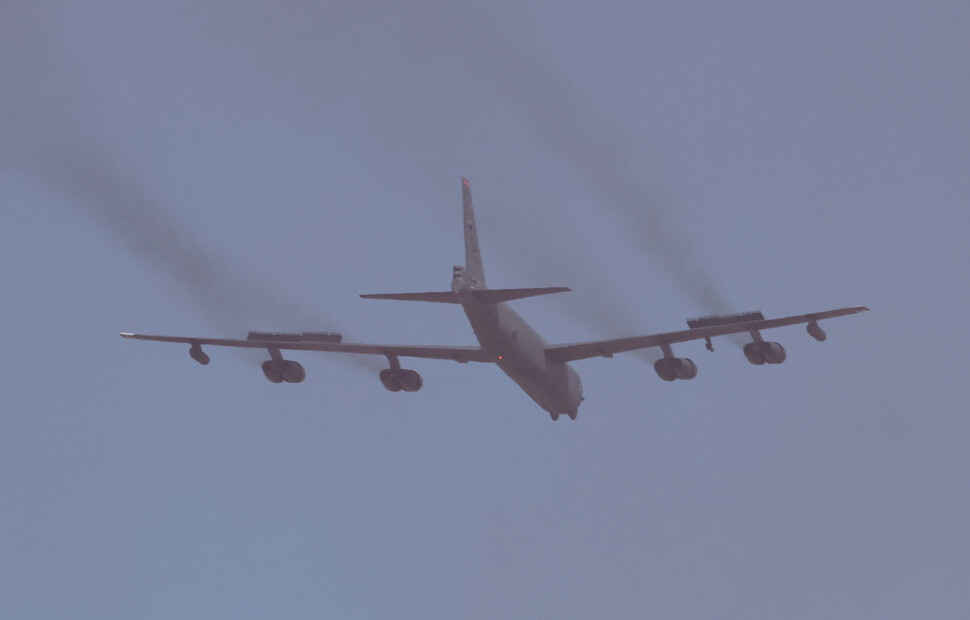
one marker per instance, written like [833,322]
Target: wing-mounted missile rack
[723,319]
[295,336]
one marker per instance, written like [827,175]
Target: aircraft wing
[458,354]
[606,348]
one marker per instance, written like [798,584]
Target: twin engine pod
[759,353]
[278,371]
[398,379]
[673,368]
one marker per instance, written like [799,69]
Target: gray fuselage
[519,350]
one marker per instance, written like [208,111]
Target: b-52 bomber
[505,339]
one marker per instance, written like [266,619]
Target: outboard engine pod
[198,355]
[815,331]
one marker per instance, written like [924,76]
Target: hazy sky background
[204,169]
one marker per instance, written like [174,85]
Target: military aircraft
[540,369]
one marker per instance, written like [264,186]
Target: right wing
[606,348]
[458,354]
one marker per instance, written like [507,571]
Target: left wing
[458,354]
[606,348]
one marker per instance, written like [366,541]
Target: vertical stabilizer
[473,255]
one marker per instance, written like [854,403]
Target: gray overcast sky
[169,168]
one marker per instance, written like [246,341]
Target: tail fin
[473,267]
[473,255]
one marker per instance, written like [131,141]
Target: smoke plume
[44,134]
[588,144]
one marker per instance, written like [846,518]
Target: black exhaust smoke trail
[118,202]
[588,145]
[43,135]
[586,302]
[228,298]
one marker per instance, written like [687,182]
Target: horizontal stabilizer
[508,294]
[446,297]
[488,296]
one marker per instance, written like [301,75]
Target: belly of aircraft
[536,383]
[520,352]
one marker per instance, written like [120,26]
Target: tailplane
[473,268]
[497,295]
[486,295]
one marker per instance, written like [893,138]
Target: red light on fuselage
[500,357]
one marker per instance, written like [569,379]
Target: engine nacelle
[815,331]
[397,379]
[283,370]
[685,368]
[410,380]
[293,372]
[390,380]
[759,353]
[664,370]
[272,371]
[673,368]
[774,352]
[754,353]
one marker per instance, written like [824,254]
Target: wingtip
[126,334]
[465,182]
